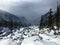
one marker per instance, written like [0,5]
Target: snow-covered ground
[29,36]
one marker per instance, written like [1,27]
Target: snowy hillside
[29,36]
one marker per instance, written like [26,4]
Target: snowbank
[30,36]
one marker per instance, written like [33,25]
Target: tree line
[53,20]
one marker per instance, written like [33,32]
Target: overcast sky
[31,9]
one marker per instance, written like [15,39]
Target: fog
[31,9]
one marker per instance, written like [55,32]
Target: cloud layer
[31,8]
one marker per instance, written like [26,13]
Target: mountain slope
[6,17]
[44,18]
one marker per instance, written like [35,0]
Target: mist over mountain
[44,17]
[32,9]
[8,17]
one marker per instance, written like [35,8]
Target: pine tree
[58,17]
[50,23]
[41,23]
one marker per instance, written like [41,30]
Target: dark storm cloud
[32,9]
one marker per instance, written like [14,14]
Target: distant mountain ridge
[8,17]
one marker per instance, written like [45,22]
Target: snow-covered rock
[30,36]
